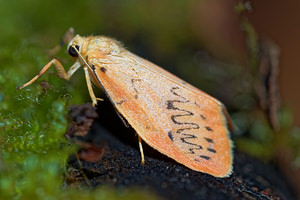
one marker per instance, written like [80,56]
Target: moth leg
[141,150]
[89,85]
[60,69]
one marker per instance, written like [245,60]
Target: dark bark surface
[117,163]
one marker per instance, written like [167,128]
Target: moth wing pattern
[170,115]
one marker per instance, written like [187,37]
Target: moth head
[75,46]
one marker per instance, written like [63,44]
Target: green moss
[33,122]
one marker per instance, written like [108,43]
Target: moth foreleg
[60,69]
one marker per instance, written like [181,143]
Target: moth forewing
[173,117]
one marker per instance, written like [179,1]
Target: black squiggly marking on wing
[170,135]
[186,137]
[121,102]
[211,150]
[209,140]
[205,157]
[93,68]
[209,129]
[202,117]
[103,69]
[133,81]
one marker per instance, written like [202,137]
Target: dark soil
[117,162]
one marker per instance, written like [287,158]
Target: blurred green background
[206,45]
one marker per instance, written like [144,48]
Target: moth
[170,115]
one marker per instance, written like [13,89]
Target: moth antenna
[68,36]
[81,57]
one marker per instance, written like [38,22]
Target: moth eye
[73,52]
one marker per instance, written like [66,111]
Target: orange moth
[170,115]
